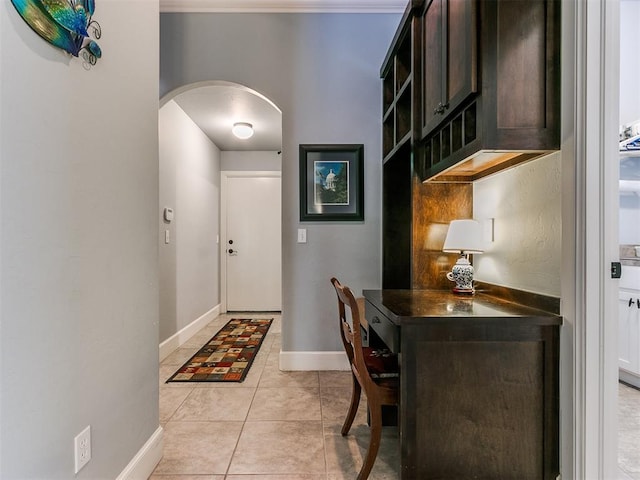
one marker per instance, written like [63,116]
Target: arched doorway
[196,147]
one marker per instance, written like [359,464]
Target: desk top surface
[409,306]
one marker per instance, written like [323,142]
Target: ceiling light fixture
[242,130]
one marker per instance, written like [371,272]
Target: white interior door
[252,243]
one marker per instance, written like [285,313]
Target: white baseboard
[142,465]
[306,361]
[629,378]
[180,337]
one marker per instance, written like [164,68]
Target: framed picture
[331,182]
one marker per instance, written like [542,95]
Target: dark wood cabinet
[400,111]
[449,58]
[479,378]
[500,86]
[398,96]
[470,88]
[397,220]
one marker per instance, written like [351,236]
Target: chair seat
[381,363]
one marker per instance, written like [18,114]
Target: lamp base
[462,275]
[464,291]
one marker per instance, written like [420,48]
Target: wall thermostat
[168,214]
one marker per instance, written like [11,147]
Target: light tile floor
[273,426]
[628,433]
[286,425]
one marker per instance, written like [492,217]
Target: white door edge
[225,175]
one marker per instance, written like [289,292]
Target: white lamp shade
[242,130]
[464,236]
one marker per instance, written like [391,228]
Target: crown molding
[283,6]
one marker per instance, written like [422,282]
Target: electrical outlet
[82,448]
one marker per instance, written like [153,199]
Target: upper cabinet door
[433,63]
[449,66]
[462,49]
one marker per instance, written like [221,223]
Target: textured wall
[525,203]
[78,246]
[190,184]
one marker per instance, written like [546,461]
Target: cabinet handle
[441,108]
[630,301]
[638,302]
[375,320]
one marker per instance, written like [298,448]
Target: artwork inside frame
[332,182]
[66,24]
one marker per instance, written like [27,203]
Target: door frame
[225,175]
[589,359]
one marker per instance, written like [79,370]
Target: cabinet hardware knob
[440,108]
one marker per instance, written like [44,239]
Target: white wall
[629,218]
[78,246]
[190,184]
[524,201]
[629,108]
[251,161]
[629,64]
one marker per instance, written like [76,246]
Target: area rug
[228,355]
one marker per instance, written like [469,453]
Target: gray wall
[190,184]
[78,246]
[322,71]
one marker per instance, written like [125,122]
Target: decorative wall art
[331,182]
[66,24]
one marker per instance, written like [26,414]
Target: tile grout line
[244,422]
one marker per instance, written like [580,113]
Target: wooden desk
[479,384]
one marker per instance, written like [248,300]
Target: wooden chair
[375,371]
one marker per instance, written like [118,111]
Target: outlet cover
[82,448]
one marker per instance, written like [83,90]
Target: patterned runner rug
[228,355]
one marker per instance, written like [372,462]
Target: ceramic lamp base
[463,291]
[462,275]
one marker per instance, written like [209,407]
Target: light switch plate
[302,235]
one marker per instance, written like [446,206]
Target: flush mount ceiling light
[242,130]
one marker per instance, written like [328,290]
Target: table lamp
[463,237]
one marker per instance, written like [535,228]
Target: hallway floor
[628,432]
[273,426]
[286,425]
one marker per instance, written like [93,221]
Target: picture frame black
[331,182]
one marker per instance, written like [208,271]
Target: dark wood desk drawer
[383,327]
